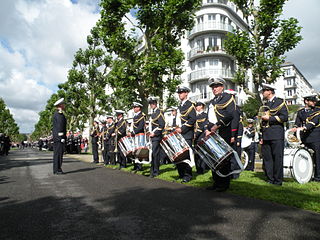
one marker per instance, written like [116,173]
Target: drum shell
[141,150]
[175,146]
[214,151]
[297,164]
[127,145]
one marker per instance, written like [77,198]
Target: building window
[211,17]
[289,83]
[287,72]
[213,41]
[213,62]
[200,19]
[290,92]
[210,1]
[201,64]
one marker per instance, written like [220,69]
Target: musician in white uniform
[250,133]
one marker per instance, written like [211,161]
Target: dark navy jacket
[121,128]
[312,133]
[224,108]
[139,122]
[188,119]
[274,128]
[59,129]
[201,122]
[157,121]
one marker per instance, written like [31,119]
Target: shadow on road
[161,213]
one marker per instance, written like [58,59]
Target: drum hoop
[139,134]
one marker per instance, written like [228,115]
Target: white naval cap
[136,104]
[60,101]
[216,81]
[119,112]
[265,86]
[183,89]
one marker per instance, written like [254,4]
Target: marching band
[212,139]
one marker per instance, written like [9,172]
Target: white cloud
[41,38]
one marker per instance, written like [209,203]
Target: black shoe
[151,176]
[212,188]
[59,173]
[221,189]
[269,182]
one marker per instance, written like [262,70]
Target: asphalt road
[92,202]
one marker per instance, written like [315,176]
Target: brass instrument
[263,111]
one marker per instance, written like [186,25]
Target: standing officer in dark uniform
[276,114]
[220,114]
[139,122]
[199,132]
[103,139]
[59,132]
[157,124]
[312,138]
[119,132]
[305,112]
[94,141]
[186,117]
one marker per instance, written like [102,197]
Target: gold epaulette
[157,117]
[224,105]
[138,120]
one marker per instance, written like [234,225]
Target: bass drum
[244,159]
[297,164]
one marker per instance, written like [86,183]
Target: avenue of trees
[8,125]
[134,51]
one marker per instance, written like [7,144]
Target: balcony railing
[204,96]
[224,2]
[199,51]
[294,85]
[209,26]
[206,73]
[294,96]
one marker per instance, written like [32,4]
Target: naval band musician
[273,134]
[312,136]
[94,142]
[220,115]
[59,132]
[120,131]
[139,121]
[187,118]
[157,124]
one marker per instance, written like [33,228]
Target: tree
[150,64]
[8,125]
[261,47]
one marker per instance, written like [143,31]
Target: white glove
[63,140]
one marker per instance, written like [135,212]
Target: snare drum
[214,151]
[126,145]
[140,146]
[297,164]
[175,146]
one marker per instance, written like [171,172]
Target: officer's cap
[310,97]
[152,100]
[183,89]
[118,112]
[215,81]
[200,103]
[250,120]
[172,109]
[266,87]
[136,104]
[60,101]
[109,116]
[231,91]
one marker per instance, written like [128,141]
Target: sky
[38,40]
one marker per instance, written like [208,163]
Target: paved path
[92,202]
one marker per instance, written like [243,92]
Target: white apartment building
[204,47]
[205,56]
[295,85]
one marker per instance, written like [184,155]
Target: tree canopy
[262,45]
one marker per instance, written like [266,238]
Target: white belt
[60,134]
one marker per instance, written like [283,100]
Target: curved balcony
[209,72]
[223,2]
[209,26]
[200,52]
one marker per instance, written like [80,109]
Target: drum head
[302,166]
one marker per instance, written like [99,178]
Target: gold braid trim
[196,129]
[275,110]
[224,105]
[186,112]
[312,116]
[117,128]
[138,120]
[157,117]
